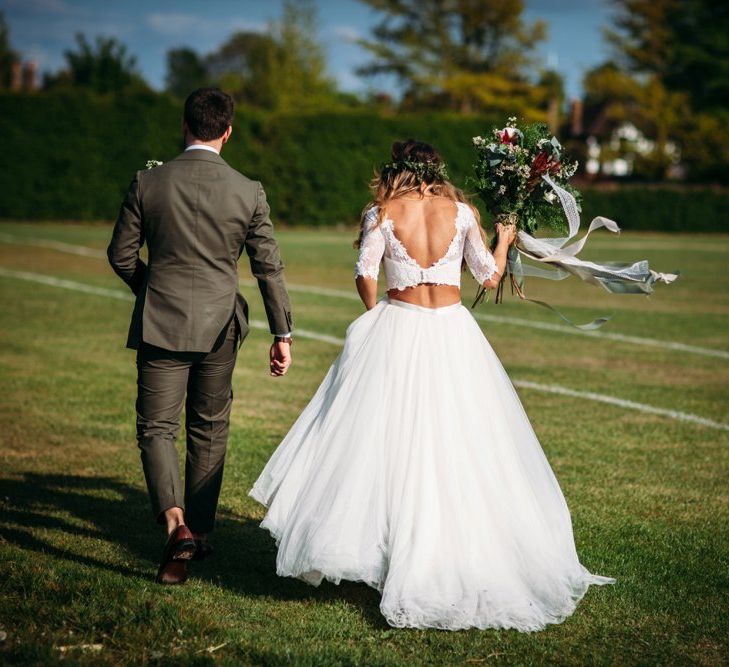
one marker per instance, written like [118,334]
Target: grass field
[647,491]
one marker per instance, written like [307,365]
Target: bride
[414,468]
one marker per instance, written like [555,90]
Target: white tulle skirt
[415,469]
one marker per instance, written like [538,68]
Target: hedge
[665,208]
[70,156]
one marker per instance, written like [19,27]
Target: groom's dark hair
[208,113]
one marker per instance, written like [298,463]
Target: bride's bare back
[426,227]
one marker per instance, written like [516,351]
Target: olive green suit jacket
[196,214]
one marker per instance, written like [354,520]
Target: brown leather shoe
[173,572]
[179,548]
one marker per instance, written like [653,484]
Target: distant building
[612,148]
[23,76]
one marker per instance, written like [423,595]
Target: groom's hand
[280,358]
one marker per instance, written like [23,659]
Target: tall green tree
[242,66]
[682,43]
[7,55]
[298,68]
[282,70]
[461,54]
[670,75]
[104,66]
[186,71]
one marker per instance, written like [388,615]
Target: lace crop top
[379,243]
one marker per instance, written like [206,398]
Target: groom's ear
[227,133]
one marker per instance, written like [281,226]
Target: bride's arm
[367,268]
[486,267]
[367,289]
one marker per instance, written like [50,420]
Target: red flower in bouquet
[508,135]
[543,163]
[522,178]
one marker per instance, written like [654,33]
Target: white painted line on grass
[82,250]
[622,338]
[621,402]
[128,296]
[333,340]
[66,284]
[352,296]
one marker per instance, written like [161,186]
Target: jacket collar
[198,154]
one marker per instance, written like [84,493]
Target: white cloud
[346,32]
[177,24]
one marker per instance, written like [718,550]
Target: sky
[42,30]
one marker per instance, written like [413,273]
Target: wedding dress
[415,469]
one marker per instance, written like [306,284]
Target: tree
[103,67]
[7,55]
[186,71]
[242,66]
[281,70]
[699,63]
[671,77]
[298,70]
[682,43]
[460,54]
[646,103]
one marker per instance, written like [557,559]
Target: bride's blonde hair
[413,163]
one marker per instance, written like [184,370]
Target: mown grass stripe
[352,296]
[304,333]
[535,324]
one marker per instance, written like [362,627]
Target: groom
[196,215]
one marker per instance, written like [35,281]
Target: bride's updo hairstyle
[412,164]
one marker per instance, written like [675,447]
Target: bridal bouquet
[508,176]
[522,177]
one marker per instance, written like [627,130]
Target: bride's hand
[505,233]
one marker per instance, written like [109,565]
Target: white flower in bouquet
[523,179]
[151,164]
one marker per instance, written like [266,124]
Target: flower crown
[423,170]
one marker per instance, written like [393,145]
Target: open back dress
[414,468]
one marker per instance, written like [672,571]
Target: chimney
[16,75]
[576,128]
[553,115]
[30,70]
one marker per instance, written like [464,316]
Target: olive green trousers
[202,383]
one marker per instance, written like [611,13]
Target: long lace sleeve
[478,257]
[371,249]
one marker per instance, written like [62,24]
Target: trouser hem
[158,510]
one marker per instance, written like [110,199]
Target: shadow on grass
[108,509]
